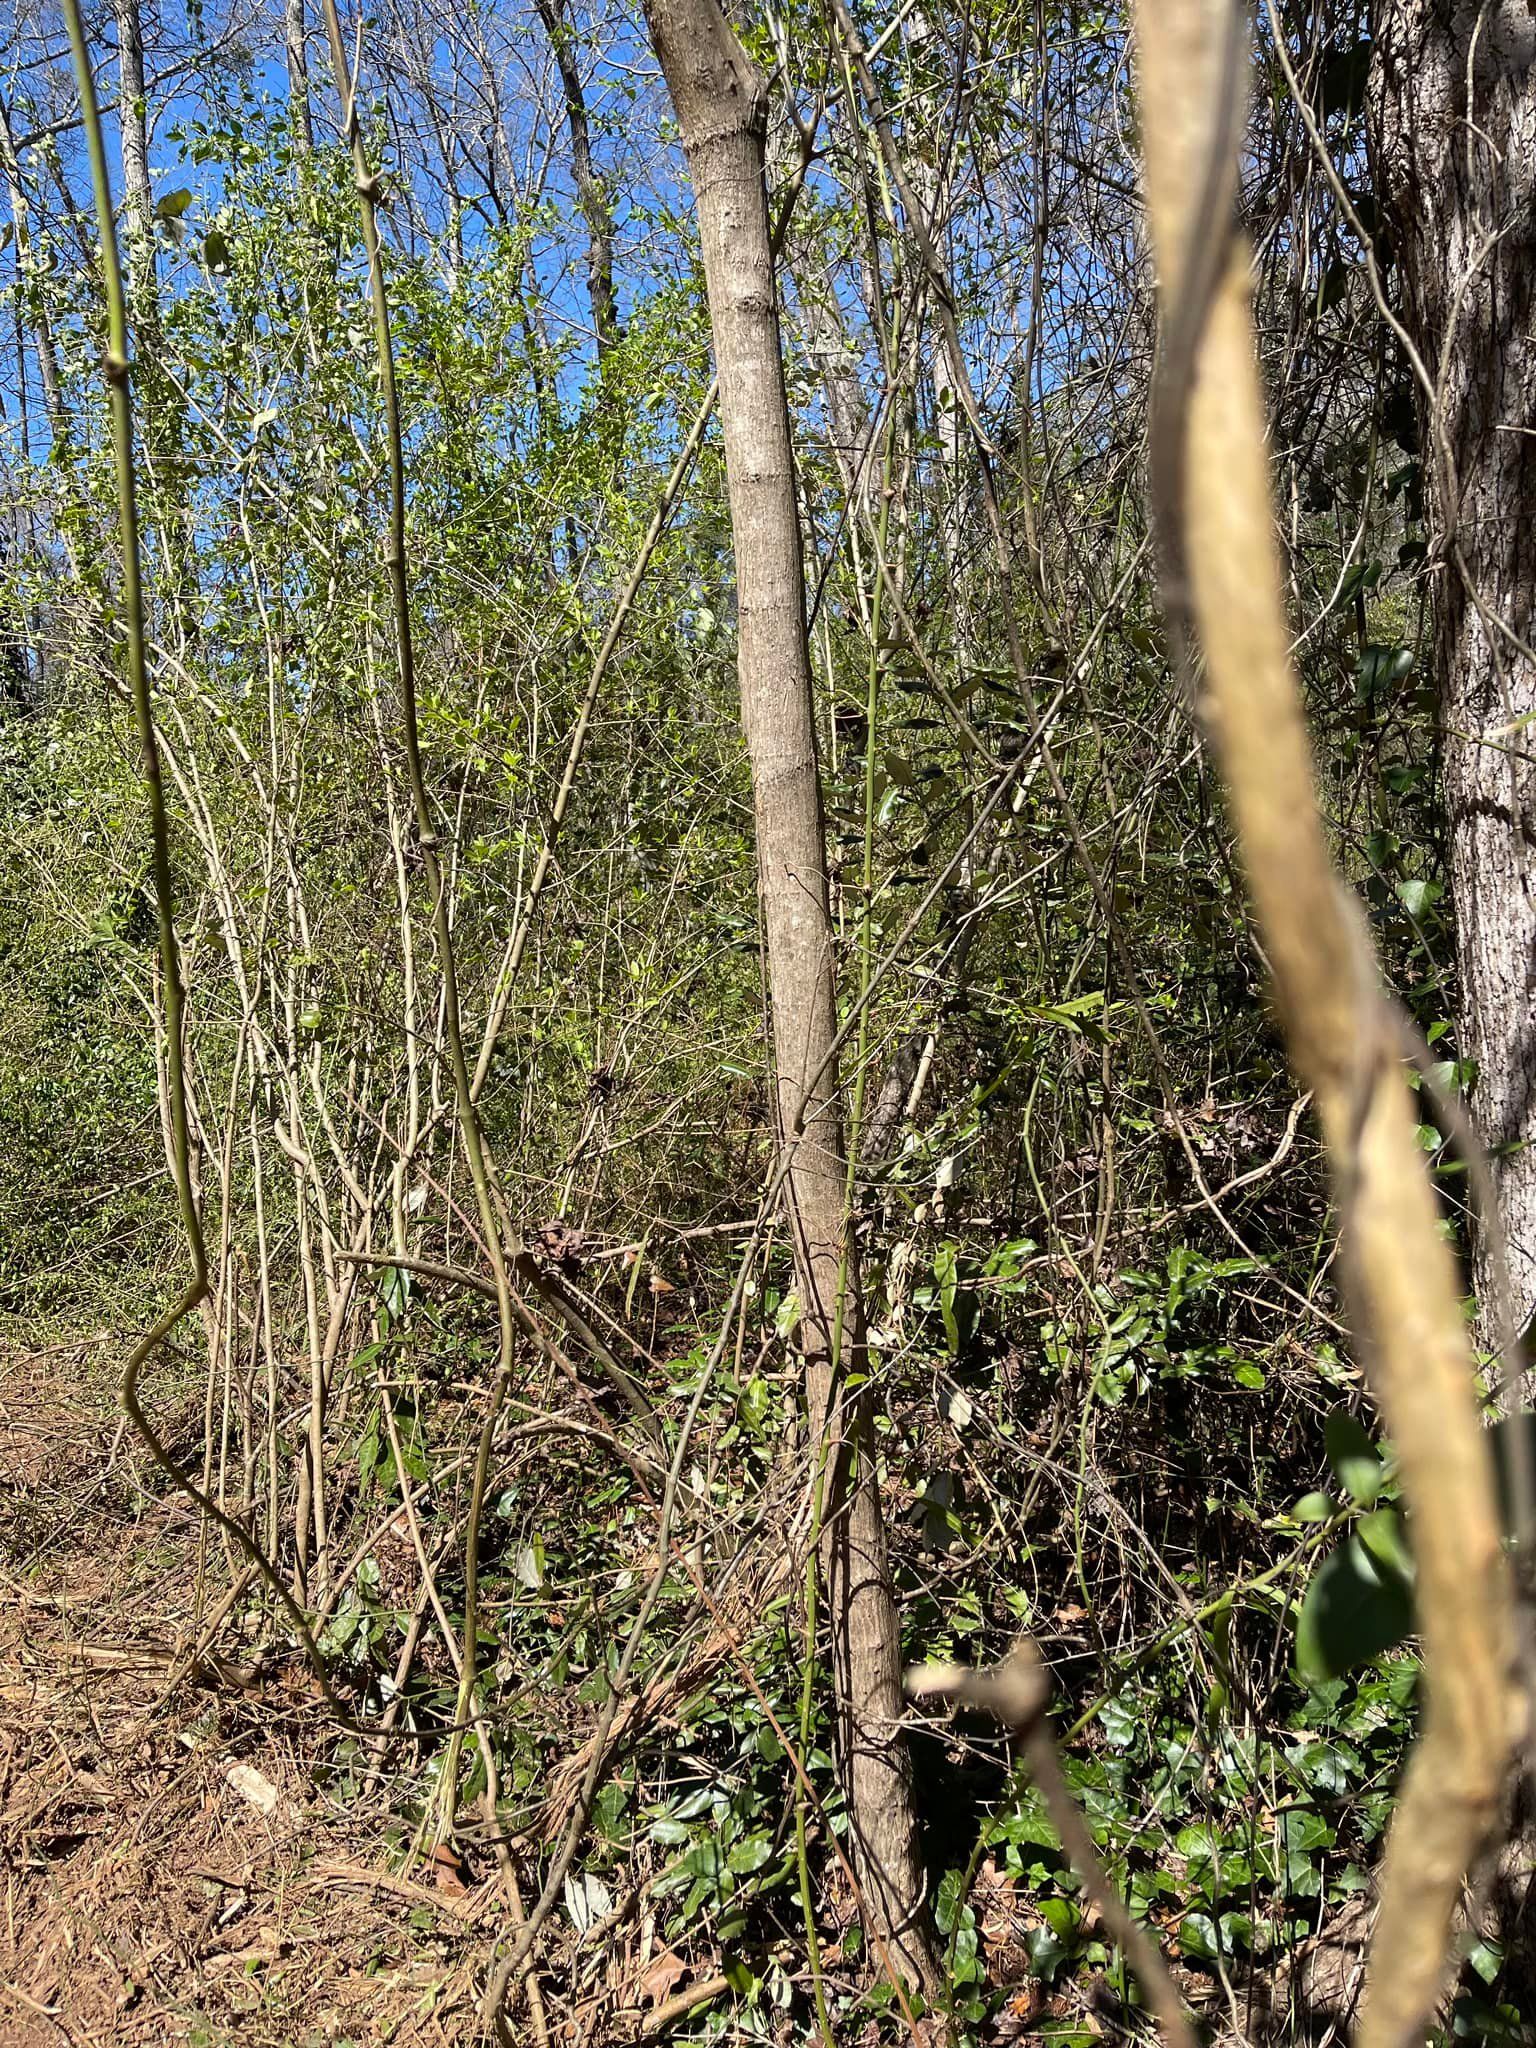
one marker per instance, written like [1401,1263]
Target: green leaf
[1120,1722]
[1302,1830]
[753,1403]
[1062,1917]
[608,1812]
[1377,668]
[1354,1610]
[964,1963]
[1383,1536]
[1354,1458]
[1487,1958]
[396,1287]
[1198,1937]
[947,1901]
[172,205]
[368,1455]
[1315,1507]
[945,1271]
[1417,896]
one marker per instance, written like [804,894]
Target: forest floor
[176,1866]
[172,1871]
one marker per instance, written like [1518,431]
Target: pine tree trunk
[721,102]
[1457,182]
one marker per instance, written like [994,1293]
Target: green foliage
[1102,1316]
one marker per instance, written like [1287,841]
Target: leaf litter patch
[168,1870]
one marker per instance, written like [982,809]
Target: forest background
[512,1379]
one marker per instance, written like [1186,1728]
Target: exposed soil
[172,1871]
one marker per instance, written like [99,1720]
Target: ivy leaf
[1355,1608]
[1383,1536]
[1417,895]
[1198,1937]
[1354,1458]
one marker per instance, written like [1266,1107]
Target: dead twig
[1016,1693]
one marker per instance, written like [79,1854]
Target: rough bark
[1220,571]
[1453,121]
[298,74]
[721,103]
[590,195]
[133,129]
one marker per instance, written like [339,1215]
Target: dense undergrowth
[1094,1227]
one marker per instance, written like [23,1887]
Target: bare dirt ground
[170,1870]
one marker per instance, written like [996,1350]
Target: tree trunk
[721,102]
[133,127]
[1457,184]
[298,74]
[31,283]
[590,195]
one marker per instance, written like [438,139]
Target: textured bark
[133,128]
[1220,571]
[1457,180]
[721,102]
[590,195]
[298,74]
